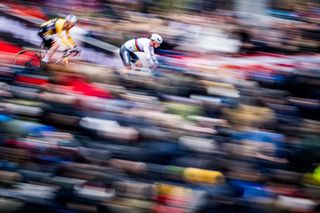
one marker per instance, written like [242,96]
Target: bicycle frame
[64,58]
[140,69]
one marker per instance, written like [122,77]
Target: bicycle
[135,71]
[32,57]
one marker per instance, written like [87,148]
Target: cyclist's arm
[154,58]
[70,40]
[59,28]
[147,52]
[64,41]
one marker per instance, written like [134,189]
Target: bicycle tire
[29,58]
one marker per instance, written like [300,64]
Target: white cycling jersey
[142,45]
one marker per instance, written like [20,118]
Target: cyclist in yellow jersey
[49,31]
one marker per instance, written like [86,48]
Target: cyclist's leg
[126,58]
[135,60]
[54,47]
[50,44]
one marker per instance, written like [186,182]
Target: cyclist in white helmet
[49,31]
[146,45]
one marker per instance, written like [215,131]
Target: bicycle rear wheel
[28,58]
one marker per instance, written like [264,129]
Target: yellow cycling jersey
[55,26]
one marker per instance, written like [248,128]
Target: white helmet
[71,18]
[157,38]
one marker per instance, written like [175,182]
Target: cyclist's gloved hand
[75,50]
[67,49]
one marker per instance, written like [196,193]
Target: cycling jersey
[55,27]
[142,45]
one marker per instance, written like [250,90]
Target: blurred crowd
[203,28]
[207,133]
[197,26]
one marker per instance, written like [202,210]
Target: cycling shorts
[127,56]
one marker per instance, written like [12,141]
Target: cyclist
[146,45]
[50,30]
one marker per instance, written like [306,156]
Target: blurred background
[228,123]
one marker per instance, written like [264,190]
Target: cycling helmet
[72,18]
[157,38]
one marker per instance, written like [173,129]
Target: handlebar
[68,52]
